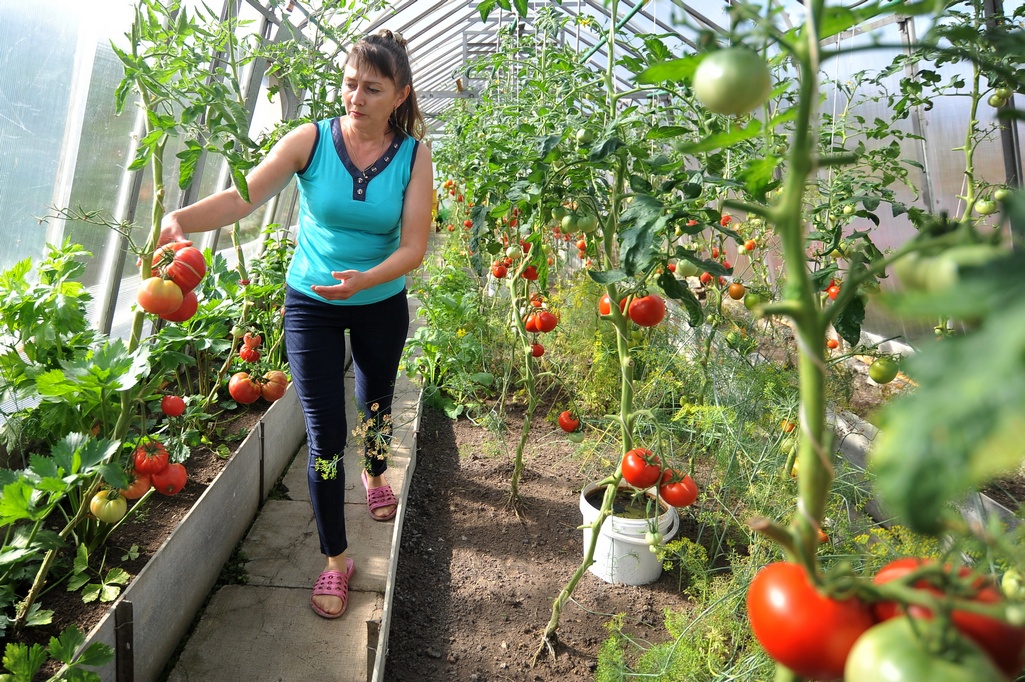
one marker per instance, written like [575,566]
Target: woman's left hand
[349,282]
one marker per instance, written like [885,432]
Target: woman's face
[369,97]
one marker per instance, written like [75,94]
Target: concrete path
[265,630]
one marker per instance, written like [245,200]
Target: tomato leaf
[607,276]
[849,320]
[679,291]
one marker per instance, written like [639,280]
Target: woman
[364,219]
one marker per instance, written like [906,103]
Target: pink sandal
[378,498]
[333,584]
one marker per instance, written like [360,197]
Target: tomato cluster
[642,469]
[644,311]
[179,268]
[821,637]
[245,389]
[152,467]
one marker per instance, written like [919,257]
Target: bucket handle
[636,540]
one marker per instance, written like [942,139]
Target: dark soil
[475,583]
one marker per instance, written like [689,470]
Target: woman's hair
[385,53]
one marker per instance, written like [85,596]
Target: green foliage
[23,662]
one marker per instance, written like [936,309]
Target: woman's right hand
[171,231]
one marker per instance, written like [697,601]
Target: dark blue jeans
[315,344]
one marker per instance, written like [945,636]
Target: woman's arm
[416,228]
[272,175]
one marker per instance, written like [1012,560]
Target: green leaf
[109,593]
[607,276]
[96,654]
[679,291]
[681,69]
[483,378]
[63,648]
[24,661]
[91,593]
[849,320]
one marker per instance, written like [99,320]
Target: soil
[476,583]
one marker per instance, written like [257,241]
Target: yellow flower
[461,333]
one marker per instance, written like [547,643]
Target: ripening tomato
[737,291]
[159,296]
[677,490]
[243,389]
[248,354]
[108,506]
[251,340]
[641,468]
[150,457]
[188,308]
[172,405]
[832,344]
[530,272]
[706,278]
[568,422]
[171,480]
[833,291]
[750,245]
[499,271]
[801,628]
[187,268]
[138,487]
[546,321]
[537,350]
[274,385]
[467,223]
[647,311]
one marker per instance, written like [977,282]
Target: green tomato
[732,81]
[569,223]
[883,370]
[1002,194]
[898,650]
[684,268]
[1012,584]
[559,212]
[848,209]
[752,300]
[996,101]
[513,252]
[1004,93]
[108,506]
[586,223]
[575,437]
[584,136]
[986,207]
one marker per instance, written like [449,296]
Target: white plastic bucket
[621,554]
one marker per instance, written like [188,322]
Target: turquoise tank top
[348,219]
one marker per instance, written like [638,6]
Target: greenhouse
[690,345]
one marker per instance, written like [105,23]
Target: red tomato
[243,389]
[605,305]
[641,468]
[715,252]
[537,350]
[1004,642]
[568,422]
[187,268]
[249,354]
[677,490]
[467,223]
[750,245]
[647,311]
[499,271]
[171,480]
[159,296]
[172,405]
[706,278]
[274,386]
[804,630]
[546,321]
[530,272]
[530,322]
[138,487]
[725,220]
[832,344]
[251,340]
[833,291]
[150,457]
[582,244]
[672,267]
[188,308]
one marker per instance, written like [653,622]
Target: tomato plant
[641,468]
[108,506]
[677,490]
[172,405]
[171,480]
[647,311]
[801,628]
[150,457]
[568,422]
[734,80]
[243,389]
[902,650]
[274,385]
[159,296]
